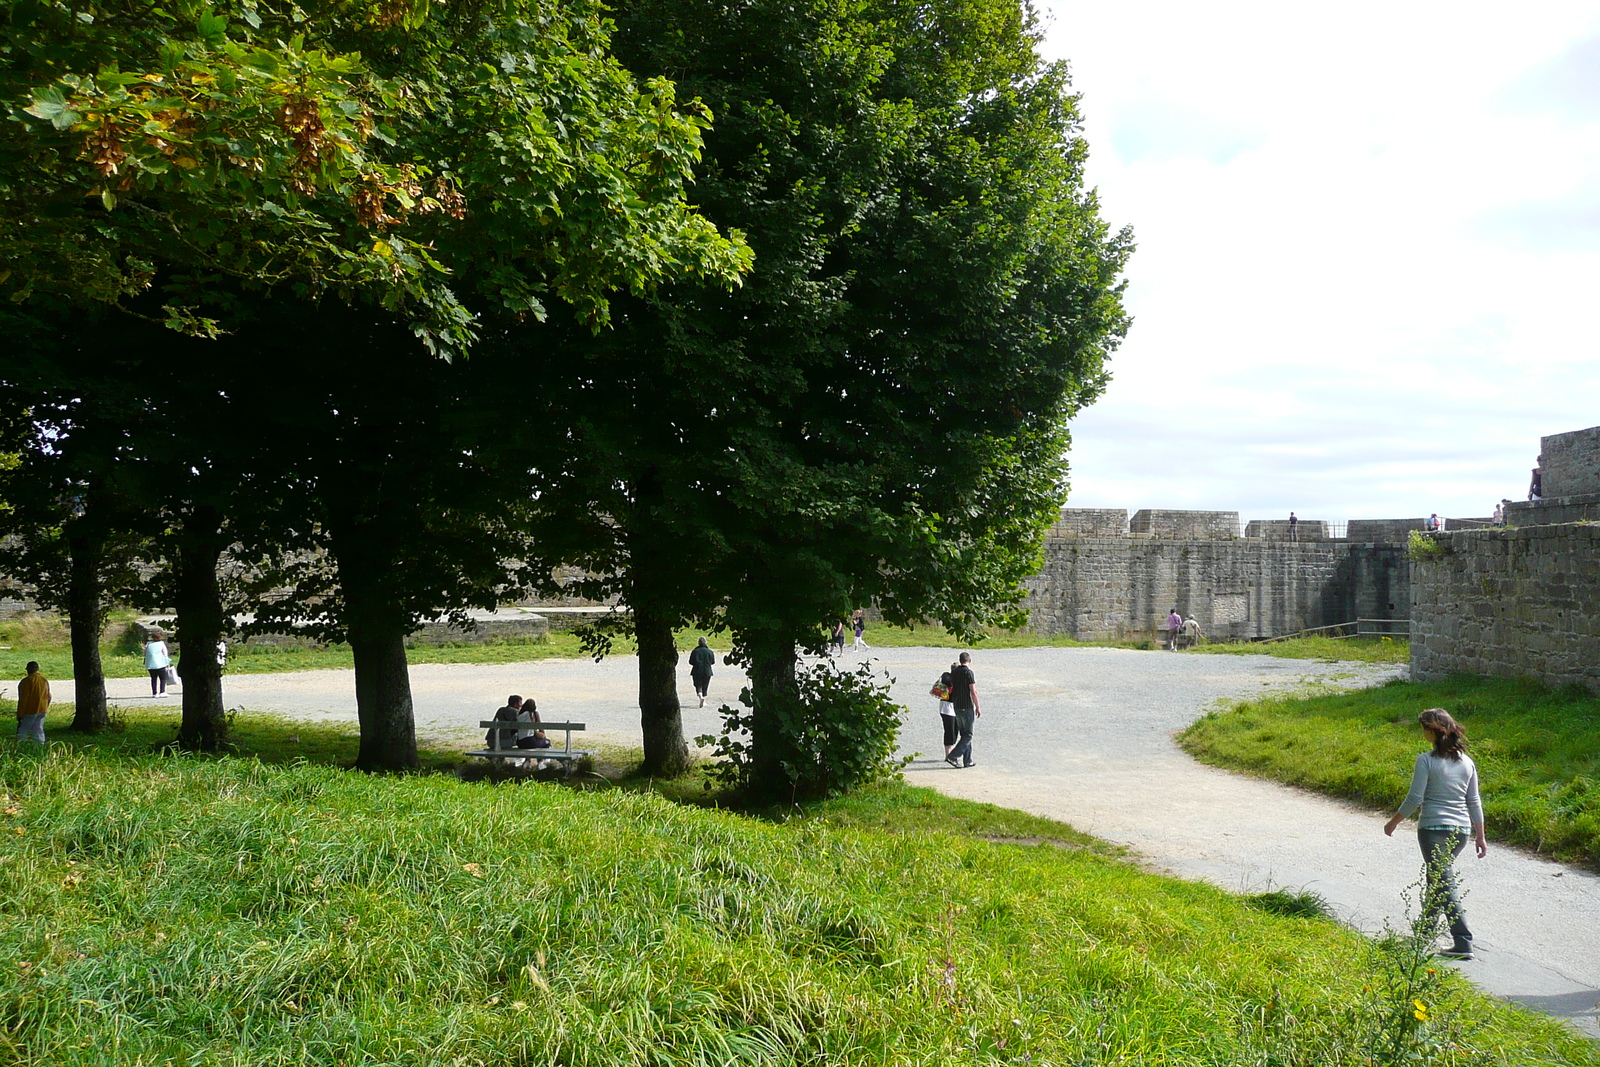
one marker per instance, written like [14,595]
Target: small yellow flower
[1431,971]
[1422,1011]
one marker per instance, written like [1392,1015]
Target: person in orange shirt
[33,700]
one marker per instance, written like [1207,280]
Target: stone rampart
[1280,530]
[1383,531]
[1552,509]
[1091,522]
[1109,588]
[1511,603]
[1570,463]
[1185,525]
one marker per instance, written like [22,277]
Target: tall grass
[1537,750]
[232,912]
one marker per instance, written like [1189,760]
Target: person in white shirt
[156,660]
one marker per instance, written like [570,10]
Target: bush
[839,733]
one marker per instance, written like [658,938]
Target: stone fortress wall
[1109,576]
[1523,601]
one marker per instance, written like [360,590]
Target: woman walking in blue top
[1444,787]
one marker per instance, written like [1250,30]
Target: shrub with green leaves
[839,732]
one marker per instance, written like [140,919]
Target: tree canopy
[842,374]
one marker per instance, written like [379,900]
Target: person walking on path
[700,660]
[947,710]
[156,660]
[861,629]
[1444,786]
[838,638]
[33,701]
[964,696]
[1174,624]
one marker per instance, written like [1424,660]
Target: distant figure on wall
[1536,486]
[1499,517]
[1294,527]
[1174,626]
[1435,524]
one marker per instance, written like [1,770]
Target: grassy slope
[1538,751]
[230,911]
[1350,649]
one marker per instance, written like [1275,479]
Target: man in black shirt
[964,695]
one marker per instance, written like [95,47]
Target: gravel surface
[1085,736]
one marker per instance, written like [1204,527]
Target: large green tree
[880,413]
[444,172]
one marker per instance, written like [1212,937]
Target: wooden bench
[565,754]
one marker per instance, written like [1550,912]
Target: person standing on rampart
[1294,527]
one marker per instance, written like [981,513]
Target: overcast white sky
[1368,267]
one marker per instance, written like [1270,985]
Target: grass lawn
[1349,649]
[1537,750]
[240,911]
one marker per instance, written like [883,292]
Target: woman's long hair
[1449,739]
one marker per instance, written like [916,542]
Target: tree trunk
[85,620]
[774,688]
[665,753]
[383,697]
[200,624]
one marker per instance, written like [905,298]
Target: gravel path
[1085,736]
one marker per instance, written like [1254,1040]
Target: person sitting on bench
[507,737]
[530,738]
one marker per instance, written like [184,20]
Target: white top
[1447,792]
[156,656]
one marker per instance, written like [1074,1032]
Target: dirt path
[1085,736]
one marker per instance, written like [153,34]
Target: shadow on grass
[273,739]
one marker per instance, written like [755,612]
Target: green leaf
[51,105]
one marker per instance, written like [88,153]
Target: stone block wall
[1571,463]
[1581,508]
[1278,530]
[1091,522]
[1383,531]
[1510,603]
[1108,588]
[1187,525]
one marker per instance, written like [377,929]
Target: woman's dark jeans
[1439,850]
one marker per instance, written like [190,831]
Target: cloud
[1367,250]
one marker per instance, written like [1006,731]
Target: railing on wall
[1383,628]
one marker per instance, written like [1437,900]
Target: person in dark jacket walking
[700,661]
